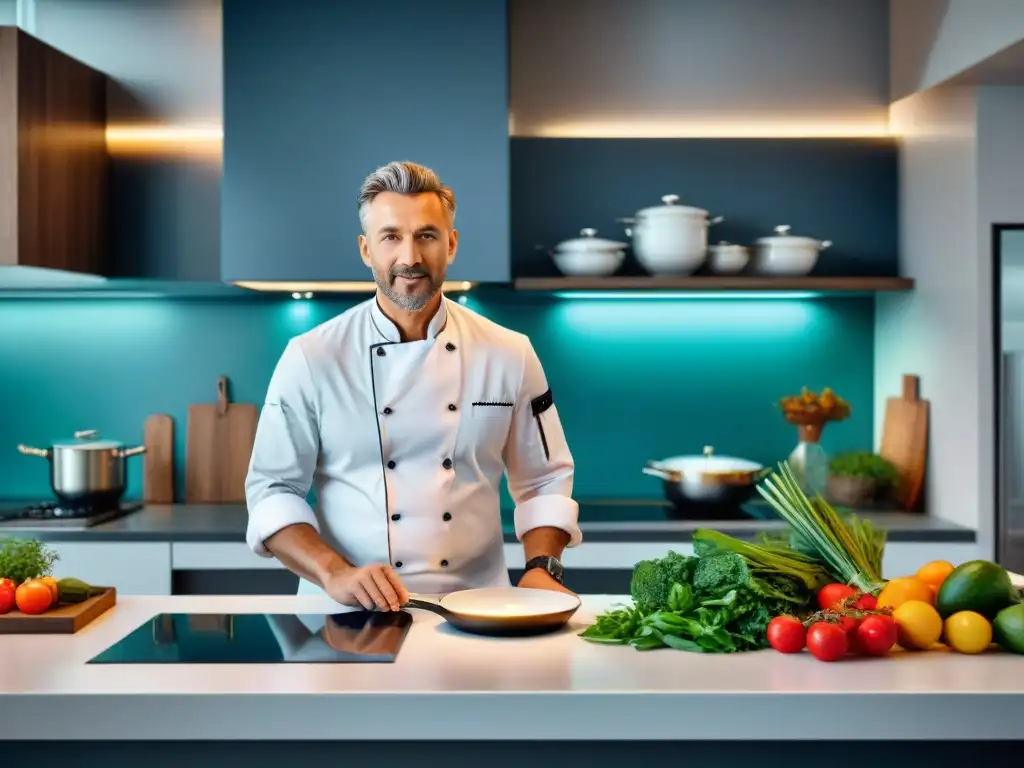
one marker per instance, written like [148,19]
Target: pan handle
[427,605]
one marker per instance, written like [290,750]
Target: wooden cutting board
[158,472]
[905,441]
[63,620]
[218,448]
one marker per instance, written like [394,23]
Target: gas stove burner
[51,512]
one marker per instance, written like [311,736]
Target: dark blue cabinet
[318,93]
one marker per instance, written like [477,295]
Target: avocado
[1008,628]
[977,585]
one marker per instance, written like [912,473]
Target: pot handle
[715,220]
[824,244]
[672,476]
[29,451]
[629,221]
[126,452]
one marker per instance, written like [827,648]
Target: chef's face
[408,243]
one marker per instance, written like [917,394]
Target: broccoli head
[652,579]
[718,574]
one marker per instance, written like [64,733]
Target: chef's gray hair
[404,178]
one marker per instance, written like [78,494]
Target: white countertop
[445,685]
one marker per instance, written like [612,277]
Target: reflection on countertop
[602,520]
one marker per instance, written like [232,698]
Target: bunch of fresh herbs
[851,549]
[24,559]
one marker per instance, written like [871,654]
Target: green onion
[852,551]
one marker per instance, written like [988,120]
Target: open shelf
[718,284]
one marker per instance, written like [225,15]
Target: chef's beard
[411,302]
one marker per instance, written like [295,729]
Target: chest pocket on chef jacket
[491,419]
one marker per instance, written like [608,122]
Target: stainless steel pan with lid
[502,611]
[708,485]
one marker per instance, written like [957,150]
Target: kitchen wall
[635,379]
[962,165]
[662,68]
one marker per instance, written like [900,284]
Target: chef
[403,413]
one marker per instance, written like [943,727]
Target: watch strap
[547,563]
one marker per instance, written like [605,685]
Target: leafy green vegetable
[24,559]
[719,601]
[864,464]
[851,550]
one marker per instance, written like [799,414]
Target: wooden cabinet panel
[53,158]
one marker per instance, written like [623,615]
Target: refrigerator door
[1010,515]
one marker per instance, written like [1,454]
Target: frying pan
[502,611]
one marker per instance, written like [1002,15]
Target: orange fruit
[935,572]
[905,588]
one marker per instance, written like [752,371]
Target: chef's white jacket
[405,444]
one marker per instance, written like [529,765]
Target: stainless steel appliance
[1010,515]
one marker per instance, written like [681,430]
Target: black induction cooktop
[215,638]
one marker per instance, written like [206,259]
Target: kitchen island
[446,686]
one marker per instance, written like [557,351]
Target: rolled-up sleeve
[285,452]
[538,463]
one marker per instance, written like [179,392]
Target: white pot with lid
[589,255]
[670,239]
[728,258]
[785,254]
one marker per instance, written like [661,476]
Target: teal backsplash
[634,379]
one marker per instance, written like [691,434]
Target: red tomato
[33,597]
[827,642]
[6,596]
[876,635]
[866,602]
[786,634]
[832,595]
[9,582]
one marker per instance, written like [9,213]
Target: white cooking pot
[670,239]
[728,258]
[589,255]
[786,254]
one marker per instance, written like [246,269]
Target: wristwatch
[552,565]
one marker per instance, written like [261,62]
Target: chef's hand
[538,578]
[367,586]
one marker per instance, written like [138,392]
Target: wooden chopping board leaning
[218,449]
[905,440]
[158,473]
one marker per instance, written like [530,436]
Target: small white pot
[670,239]
[728,258]
[589,255]
[786,254]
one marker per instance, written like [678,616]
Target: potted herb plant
[856,478]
